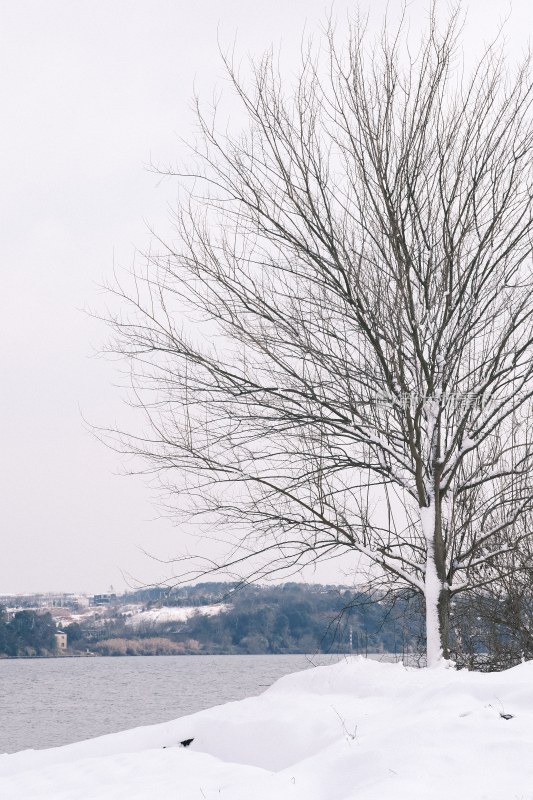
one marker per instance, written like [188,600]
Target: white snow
[356,730]
[158,616]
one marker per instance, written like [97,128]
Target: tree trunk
[443,604]
[436,591]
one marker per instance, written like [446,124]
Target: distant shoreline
[33,658]
[398,656]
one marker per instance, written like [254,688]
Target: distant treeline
[487,632]
[292,618]
[27,633]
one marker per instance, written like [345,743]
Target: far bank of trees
[27,633]
[283,619]
[290,618]
[491,630]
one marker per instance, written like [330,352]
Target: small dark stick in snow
[186,742]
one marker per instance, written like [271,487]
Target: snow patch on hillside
[158,616]
[357,730]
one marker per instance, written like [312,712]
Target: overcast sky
[91,92]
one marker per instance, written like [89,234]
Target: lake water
[50,702]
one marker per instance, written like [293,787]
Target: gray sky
[91,91]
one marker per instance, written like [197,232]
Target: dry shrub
[151,646]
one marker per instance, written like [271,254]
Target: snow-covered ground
[157,616]
[356,730]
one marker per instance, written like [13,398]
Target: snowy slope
[158,616]
[358,729]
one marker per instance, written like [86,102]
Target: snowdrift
[358,729]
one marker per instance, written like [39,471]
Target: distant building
[103,599]
[61,640]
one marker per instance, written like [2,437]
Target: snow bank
[357,729]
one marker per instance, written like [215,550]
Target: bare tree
[336,350]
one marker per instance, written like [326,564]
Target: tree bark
[443,602]
[437,595]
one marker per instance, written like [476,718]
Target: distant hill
[225,618]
